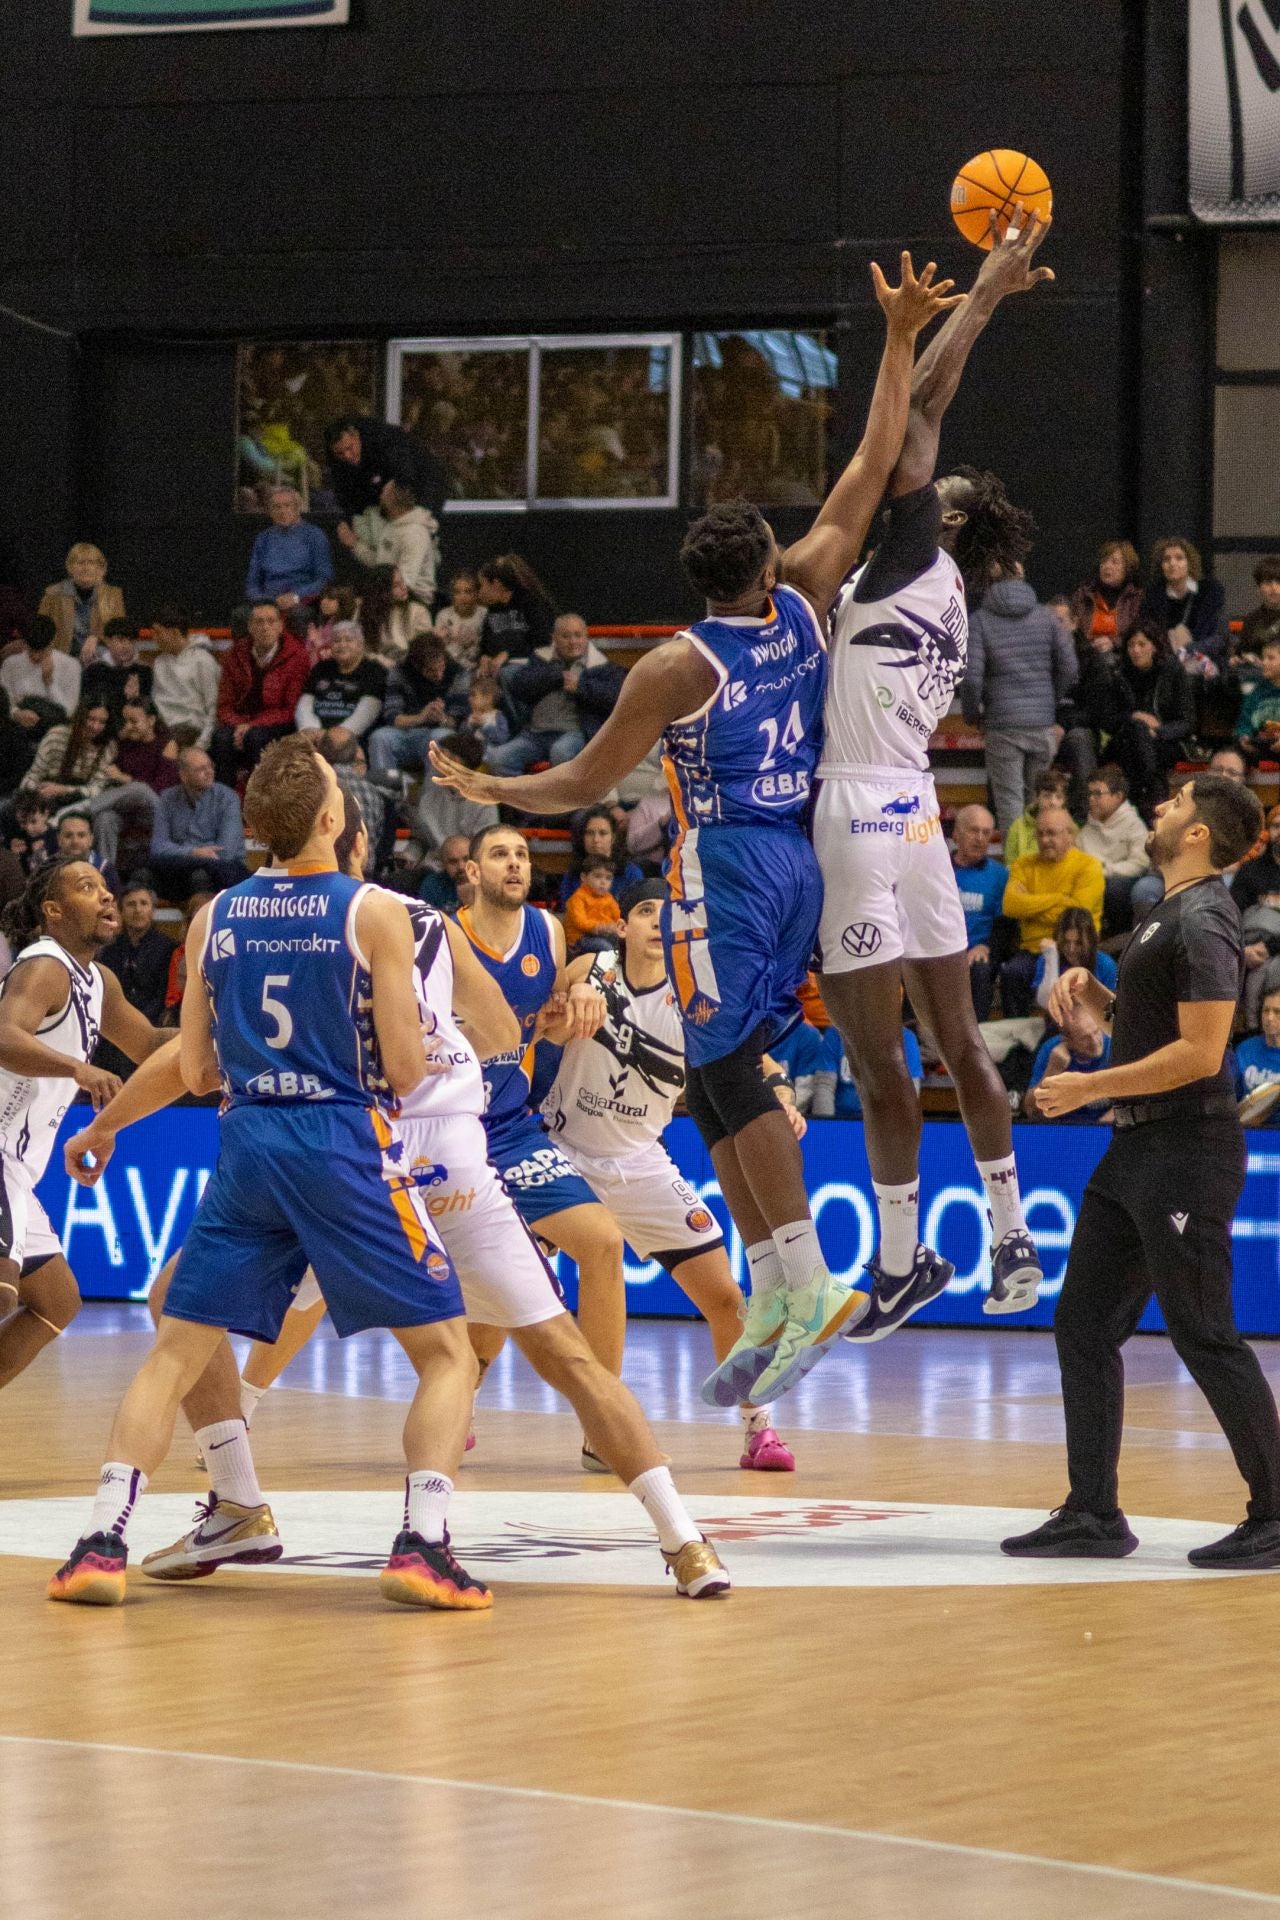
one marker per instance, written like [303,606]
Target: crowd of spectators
[138,754]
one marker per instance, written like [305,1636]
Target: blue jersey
[291,994]
[526,974]
[747,758]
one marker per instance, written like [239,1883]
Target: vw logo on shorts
[860,939]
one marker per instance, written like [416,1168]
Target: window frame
[535,344]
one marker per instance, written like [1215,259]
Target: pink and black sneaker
[766,1453]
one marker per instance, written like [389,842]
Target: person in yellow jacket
[1041,884]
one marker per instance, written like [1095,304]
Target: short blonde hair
[85,550]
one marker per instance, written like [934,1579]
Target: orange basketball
[998,181]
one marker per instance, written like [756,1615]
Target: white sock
[799,1252]
[426,1505]
[764,1269]
[229,1462]
[249,1398]
[899,1226]
[756,1419]
[118,1492]
[1000,1178]
[656,1492]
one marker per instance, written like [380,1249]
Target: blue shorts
[537,1177]
[740,940]
[299,1186]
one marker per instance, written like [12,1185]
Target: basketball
[997,182]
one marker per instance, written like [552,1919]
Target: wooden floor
[907,1742]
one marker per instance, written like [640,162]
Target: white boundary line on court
[863,1834]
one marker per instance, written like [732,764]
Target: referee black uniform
[1156,1218]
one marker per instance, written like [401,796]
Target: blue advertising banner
[120,1233]
[193,16]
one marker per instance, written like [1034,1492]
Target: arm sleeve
[319,562]
[908,544]
[304,714]
[228,694]
[1088,887]
[1207,965]
[397,698]
[1065,665]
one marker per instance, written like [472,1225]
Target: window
[567,421]
[1246,497]
[286,395]
[762,405]
[469,401]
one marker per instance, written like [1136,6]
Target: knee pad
[735,1085]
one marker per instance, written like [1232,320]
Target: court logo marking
[601,1539]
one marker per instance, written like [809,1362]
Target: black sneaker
[1253,1544]
[894,1300]
[1067,1535]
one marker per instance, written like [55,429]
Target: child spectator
[1258,727]
[389,618]
[485,723]
[592,914]
[116,674]
[35,843]
[335,604]
[1051,788]
[1262,623]
[461,623]
[146,763]
[595,837]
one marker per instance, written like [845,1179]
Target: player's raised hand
[468,781]
[1007,268]
[86,1156]
[910,306]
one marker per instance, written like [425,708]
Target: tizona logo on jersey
[437,1267]
[530,964]
[698,1220]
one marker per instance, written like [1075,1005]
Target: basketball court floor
[886,1719]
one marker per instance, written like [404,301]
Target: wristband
[780,1079]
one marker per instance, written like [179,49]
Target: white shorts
[890,891]
[504,1279]
[26,1237]
[660,1215]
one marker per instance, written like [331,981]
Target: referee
[1156,1216]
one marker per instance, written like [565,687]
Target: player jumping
[892,910]
[737,702]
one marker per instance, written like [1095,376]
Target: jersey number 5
[792,735]
[275,1009]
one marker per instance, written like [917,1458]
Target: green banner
[191,16]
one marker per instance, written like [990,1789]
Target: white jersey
[31,1107]
[461,1089]
[895,665]
[614,1094]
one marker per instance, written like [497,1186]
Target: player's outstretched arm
[197,1054]
[490,1025]
[1006,269]
[673,680]
[157,1084]
[385,933]
[35,990]
[818,563]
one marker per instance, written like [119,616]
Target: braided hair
[22,921]
[725,552]
[996,536]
